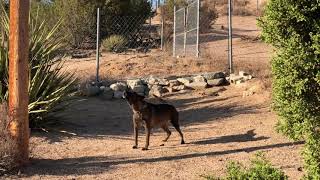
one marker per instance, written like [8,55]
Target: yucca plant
[48,84]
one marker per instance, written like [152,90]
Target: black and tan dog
[152,115]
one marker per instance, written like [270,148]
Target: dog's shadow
[246,137]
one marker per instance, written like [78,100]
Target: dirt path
[219,125]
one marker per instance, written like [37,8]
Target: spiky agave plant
[48,84]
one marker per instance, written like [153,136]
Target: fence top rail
[192,3]
[181,9]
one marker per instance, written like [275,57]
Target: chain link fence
[192,38]
[186,30]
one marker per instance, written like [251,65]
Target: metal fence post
[174,31]
[198,29]
[185,11]
[98,38]
[162,28]
[230,58]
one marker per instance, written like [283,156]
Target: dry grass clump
[7,146]
[240,7]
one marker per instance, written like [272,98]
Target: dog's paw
[134,147]
[144,149]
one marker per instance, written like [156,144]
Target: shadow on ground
[246,137]
[101,164]
[97,118]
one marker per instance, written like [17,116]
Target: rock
[214,75]
[140,89]
[92,90]
[173,83]
[198,85]
[134,82]
[242,73]
[255,89]
[247,93]
[80,55]
[185,80]
[239,81]
[119,86]
[171,78]
[107,94]
[146,90]
[153,81]
[179,88]
[170,89]
[199,78]
[163,82]
[217,82]
[118,94]
[174,88]
[157,90]
[248,77]
[235,78]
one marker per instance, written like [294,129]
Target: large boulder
[153,81]
[179,88]
[118,94]
[217,82]
[157,90]
[236,79]
[107,93]
[214,75]
[119,86]
[185,80]
[198,85]
[174,82]
[132,83]
[199,78]
[91,90]
[164,82]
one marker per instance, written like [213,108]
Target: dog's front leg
[136,121]
[148,131]
[135,132]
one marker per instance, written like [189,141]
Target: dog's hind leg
[175,123]
[135,130]
[166,129]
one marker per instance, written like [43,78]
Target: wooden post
[18,78]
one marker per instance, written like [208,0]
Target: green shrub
[48,84]
[208,16]
[114,43]
[260,169]
[292,27]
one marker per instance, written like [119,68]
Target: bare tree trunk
[18,78]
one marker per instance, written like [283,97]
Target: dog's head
[132,97]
